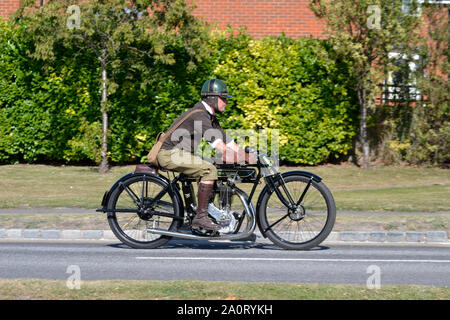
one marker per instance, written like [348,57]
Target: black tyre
[131,227]
[305,227]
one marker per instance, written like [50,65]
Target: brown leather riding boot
[201,219]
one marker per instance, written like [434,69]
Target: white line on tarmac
[292,259]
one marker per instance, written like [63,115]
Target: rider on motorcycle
[177,151]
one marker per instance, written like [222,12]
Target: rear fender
[107,195]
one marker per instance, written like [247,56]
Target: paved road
[83,210]
[230,261]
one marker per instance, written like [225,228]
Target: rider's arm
[232,153]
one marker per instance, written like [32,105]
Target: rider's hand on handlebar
[250,158]
[232,157]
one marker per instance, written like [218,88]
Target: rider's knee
[208,172]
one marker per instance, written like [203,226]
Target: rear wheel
[308,224]
[135,212]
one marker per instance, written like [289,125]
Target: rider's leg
[201,219]
[194,166]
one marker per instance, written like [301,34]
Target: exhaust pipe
[191,236]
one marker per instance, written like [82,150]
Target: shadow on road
[216,245]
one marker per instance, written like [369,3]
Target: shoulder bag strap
[168,133]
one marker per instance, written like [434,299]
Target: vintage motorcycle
[295,209]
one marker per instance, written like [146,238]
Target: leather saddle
[148,168]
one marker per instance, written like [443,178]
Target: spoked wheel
[135,212]
[304,226]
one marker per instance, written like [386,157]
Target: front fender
[267,188]
[315,177]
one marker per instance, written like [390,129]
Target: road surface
[228,261]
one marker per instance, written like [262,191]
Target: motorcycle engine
[225,218]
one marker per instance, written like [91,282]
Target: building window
[406,5]
[406,8]
[401,85]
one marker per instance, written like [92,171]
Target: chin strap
[213,102]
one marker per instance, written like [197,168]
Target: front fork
[273,182]
[277,180]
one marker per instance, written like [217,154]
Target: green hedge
[51,113]
[41,106]
[293,86]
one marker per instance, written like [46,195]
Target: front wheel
[302,227]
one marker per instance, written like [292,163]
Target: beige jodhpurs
[191,165]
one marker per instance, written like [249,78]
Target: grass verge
[344,222]
[376,189]
[200,290]
[420,199]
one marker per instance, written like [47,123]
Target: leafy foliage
[364,32]
[293,86]
[41,108]
[129,40]
[430,125]
[416,130]
[51,113]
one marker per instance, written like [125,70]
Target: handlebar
[261,157]
[251,150]
[262,161]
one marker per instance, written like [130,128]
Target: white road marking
[292,259]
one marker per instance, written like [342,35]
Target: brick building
[262,17]
[8,6]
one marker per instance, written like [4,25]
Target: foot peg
[205,233]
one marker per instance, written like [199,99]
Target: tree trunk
[362,96]
[104,168]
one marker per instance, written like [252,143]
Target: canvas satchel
[161,137]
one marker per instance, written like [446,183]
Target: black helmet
[215,87]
